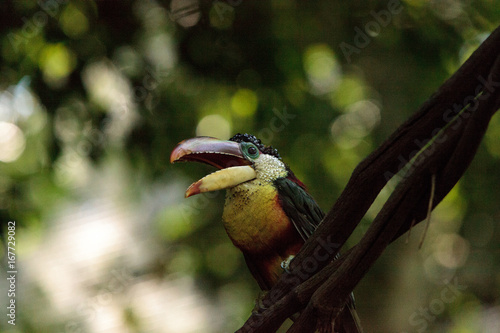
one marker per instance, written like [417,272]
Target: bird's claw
[259,302]
[285,264]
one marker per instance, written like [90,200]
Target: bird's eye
[249,150]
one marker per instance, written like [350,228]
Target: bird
[268,213]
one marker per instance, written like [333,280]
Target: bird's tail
[348,320]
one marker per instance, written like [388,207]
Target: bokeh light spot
[73,22]
[185,12]
[350,128]
[451,250]
[244,103]
[12,142]
[351,89]
[322,69]
[221,15]
[56,62]
[215,126]
[447,9]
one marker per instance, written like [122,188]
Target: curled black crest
[253,139]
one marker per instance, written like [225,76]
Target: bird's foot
[259,302]
[285,264]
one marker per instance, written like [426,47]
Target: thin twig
[429,209]
[409,231]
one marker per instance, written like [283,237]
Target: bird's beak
[224,155]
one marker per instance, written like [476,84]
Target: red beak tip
[193,190]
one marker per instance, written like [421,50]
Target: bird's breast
[254,219]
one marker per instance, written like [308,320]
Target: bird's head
[241,159]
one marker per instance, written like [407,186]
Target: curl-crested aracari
[268,213]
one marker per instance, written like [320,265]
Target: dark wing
[306,215]
[299,206]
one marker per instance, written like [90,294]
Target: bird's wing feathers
[306,216]
[299,206]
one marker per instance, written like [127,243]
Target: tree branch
[441,139]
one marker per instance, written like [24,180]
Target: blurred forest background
[94,95]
